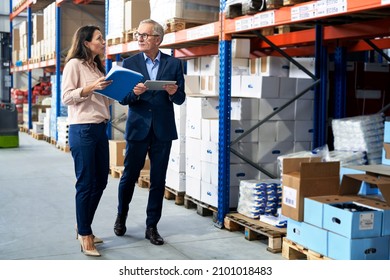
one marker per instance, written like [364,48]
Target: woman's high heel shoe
[96,239]
[92,252]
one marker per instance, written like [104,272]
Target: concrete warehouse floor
[37,217]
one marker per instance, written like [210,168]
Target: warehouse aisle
[37,217]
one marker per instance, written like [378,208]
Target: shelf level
[209,33]
[35,5]
[346,32]
[32,66]
[304,12]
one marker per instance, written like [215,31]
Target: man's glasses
[144,36]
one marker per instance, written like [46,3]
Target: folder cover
[123,82]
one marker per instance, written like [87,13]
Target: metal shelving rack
[56,62]
[30,6]
[316,40]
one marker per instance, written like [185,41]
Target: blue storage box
[294,231]
[352,220]
[310,237]
[382,206]
[314,207]
[343,248]
[386,137]
[379,178]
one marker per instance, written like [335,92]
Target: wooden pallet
[293,2]
[50,56]
[64,148]
[115,41]
[255,229]
[38,136]
[116,171]
[202,208]
[240,9]
[294,251]
[128,36]
[23,129]
[171,194]
[144,181]
[47,138]
[177,24]
[275,4]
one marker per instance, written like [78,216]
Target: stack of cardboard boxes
[348,220]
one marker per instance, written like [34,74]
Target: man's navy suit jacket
[154,106]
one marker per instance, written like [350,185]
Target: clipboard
[123,82]
[157,84]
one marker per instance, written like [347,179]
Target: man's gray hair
[158,29]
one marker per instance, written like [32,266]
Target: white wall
[4,16]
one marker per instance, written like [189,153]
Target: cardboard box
[386,153]
[314,207]
[135,11]
[342,248]
[258,87]
[193,187]
[309,236]
[306,177]
[117,152]
[351,184]
[359,222]
[176,180]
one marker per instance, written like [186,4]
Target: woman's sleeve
[71,89]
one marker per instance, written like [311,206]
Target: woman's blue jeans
[89,147]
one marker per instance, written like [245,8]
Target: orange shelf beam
[206,31]
[23,7]
[372,29]
[31,66]
[363,46]
[196,51]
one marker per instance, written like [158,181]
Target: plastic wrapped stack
[259,197]
[348,157]
[362,133]
[344,157]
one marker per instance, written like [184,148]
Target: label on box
[289,196]
[366,221]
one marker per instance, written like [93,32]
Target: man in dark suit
[150,126]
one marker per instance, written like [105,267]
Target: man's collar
[157,57]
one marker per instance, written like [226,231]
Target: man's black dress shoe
[154,237]
[120,225]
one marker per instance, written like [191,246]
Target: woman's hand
[99,84]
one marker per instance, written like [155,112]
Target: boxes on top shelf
[200,11]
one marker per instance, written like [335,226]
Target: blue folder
[123,82]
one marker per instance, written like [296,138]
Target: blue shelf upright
[29,74]
[340,81]
[58,63]
[225,62]
[108,61]
[11,40]
[320,97]
[224,131]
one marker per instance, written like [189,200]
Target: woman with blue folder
[88,114]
